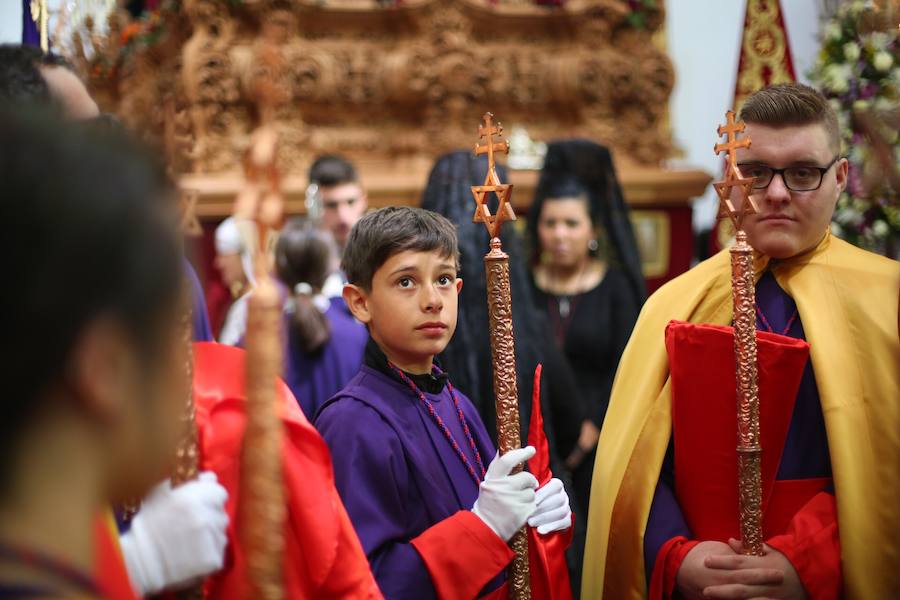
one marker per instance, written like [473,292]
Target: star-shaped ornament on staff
[492,183]
[733,177]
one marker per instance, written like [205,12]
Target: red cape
[323,557]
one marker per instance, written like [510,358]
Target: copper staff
[262,510]
[735,200]
[187,453]
[503,352]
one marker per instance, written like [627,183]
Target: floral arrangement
[858,72]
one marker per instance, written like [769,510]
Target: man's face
[791,222]
[70,92]
[411,308]
[342,206]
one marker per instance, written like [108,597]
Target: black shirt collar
[431,383]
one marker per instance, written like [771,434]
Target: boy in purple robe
[409,450]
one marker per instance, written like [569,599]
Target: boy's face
[411,308]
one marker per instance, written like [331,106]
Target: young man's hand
[696,577]
[789,588]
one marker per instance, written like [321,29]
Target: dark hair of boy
[88,237]
[331,170]
[305,255]
[381,234]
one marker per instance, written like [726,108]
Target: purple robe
[805,454]
[397,474]
[314,378]
[199,315]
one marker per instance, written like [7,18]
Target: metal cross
[492,182]
[734,180]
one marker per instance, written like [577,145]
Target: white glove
[505,501]
[552,512]
[178,536]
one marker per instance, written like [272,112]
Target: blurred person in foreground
[95,376]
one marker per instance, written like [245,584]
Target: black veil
[591,164]
[468,356]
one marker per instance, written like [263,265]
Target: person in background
[233,262]
[586,278]
[340,202]
[325,344]
[340,194]
[94,376]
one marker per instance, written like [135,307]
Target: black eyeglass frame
[781,172]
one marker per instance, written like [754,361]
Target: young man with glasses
[664,507]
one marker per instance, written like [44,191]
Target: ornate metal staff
[736,203]
[503,352]
[262,506]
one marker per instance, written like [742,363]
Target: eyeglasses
[796,179]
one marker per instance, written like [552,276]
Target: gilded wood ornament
[735,200]
[503,351]
[421,66]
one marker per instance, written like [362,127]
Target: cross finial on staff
[734,180]
[492,183]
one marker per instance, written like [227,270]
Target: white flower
[880,228]
[883,104]
[832,31]
[851,51]
[856,7]
[883,61]
[879,40]
[836,78]
[837,229]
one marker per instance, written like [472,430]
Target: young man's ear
[841,172]
[458,285]
[358,302]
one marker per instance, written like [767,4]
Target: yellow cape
[848,302]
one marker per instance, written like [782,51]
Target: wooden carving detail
[384,82]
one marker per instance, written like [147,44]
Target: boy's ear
[458,285]
[358,302]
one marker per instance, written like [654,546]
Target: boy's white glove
[178,536]
[552,512]
[506,501]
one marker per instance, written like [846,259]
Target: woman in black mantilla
[586,277]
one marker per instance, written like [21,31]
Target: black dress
[592,329]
